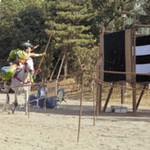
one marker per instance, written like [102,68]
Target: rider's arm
[37,55]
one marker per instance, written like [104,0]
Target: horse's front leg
[15,103]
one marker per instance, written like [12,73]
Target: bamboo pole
[62,62]
[81,99]
[94,105]
[108,97]
[46,48]
[54,69]
[140,97]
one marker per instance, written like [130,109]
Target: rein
[16,75]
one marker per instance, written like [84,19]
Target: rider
[22,55]
[28,48]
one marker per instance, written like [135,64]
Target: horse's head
[29,65]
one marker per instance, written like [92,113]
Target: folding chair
[60,95]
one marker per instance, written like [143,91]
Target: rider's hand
[44,54]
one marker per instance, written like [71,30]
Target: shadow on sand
[74,110]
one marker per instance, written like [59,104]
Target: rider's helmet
[27,44]
[21,55]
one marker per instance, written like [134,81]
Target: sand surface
[57,129]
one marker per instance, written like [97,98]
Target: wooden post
[54,69]
[130,44]
[61,65]
[100,68]
[44,105]
[133,71]
[140,97]
[108,97]
[122,93]
[81,99]
[128,54]
[94,110]
[134,97]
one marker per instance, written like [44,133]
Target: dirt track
[57,129]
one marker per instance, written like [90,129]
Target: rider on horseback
[18,57]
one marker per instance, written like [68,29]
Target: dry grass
[73,93]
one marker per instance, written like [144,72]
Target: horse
[20,83]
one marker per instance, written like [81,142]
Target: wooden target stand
[51,90]
[130,60]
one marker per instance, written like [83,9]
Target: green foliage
[8,11]
[69,25]
[73,24]
[145,17]
[30,24]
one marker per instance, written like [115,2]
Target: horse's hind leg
[27,102]
[6,105]
[15,104]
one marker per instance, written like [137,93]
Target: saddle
[7,72]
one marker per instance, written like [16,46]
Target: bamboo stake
[54,69]
[140,97]
[61,67]
[94,110]
[81,99]
[46,48]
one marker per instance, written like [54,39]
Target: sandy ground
[57,129]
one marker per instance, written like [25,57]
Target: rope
[118,85]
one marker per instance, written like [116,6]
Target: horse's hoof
[15,104]
[4,110]
[22,106]
[4,90]
[12,111]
